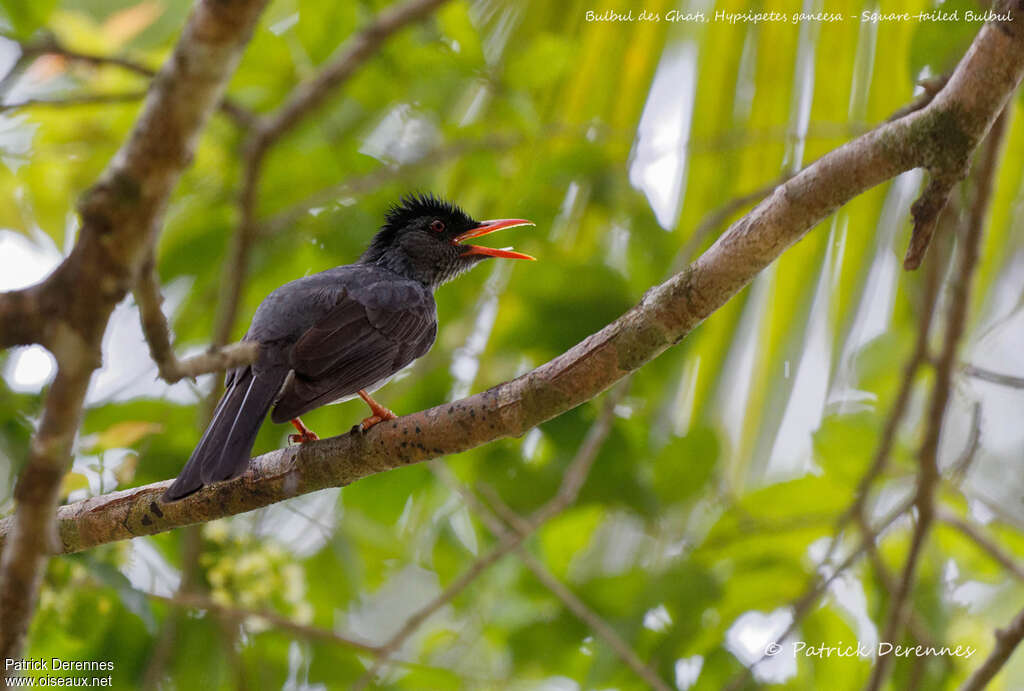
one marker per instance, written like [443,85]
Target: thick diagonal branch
[976,93]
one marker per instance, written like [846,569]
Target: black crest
[414,206]
[406,212]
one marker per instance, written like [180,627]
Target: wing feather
[365,338]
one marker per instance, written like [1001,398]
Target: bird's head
[424,238]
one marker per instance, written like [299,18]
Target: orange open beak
[486,227]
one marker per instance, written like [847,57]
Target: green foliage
[938,46]
[689,519]
[26,17]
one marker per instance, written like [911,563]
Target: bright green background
[685,508]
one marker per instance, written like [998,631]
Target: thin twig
[311,94]
[50,45]
[956,322]
[32,535]
[361,184]
[930,89]
[572,602]
[278,621]
[883,452]
[819,585]
[927,210]
[1007,641]
[267,130]
[918,628]
[508,543]
[155,673]
[510,540]
[158,336]
[987,544]
[75,100]
[994,377]
[958,470]
[217,360]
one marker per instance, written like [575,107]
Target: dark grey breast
[342,330]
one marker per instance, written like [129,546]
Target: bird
[341,333]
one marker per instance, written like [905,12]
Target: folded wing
[365,338]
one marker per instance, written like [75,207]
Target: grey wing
[361,341]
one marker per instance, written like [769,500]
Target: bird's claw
[303,438]
[305,434]
[380,415]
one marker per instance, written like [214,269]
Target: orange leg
[380,413]
[305,434]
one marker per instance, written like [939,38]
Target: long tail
[223,452]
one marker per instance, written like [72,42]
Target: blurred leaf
[123,25]
[542,63]
[134,600]
[127,433]
[71,482]
[686,465]
[844,445]
[939,45]
[568,534]
[26,17]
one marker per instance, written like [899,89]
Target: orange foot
[305,434]
[380,413]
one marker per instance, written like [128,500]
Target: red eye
[437,226]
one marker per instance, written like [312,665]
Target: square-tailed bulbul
[341,333]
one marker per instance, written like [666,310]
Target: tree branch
[1007,561]
[994,377]
[50,45]
[929,88]
[716,218]
[19,317]
[362,184]
[958,470]
[820,584]
[508,541]
[975,95]
[158,336]
[1007,641]
[267,130]
[956,323]
[917,628]
[927,210]
[75,100]
[601,628]
[120,221]
[490,516]
[278,621]
[311,94]
[883,452]
[36,493]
